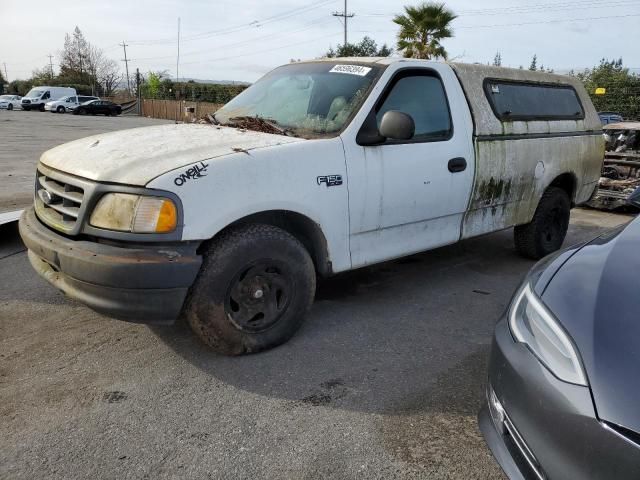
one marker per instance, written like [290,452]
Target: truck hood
[138,155]
[594,294]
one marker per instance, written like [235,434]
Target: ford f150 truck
[318,168]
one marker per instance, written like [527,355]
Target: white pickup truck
[318,168]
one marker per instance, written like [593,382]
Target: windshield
[6,97]
[305,99]
[34,93]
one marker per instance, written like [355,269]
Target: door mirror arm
[369,135]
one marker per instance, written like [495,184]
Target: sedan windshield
[304,99]
[6,97]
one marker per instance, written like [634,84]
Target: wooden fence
[178,110]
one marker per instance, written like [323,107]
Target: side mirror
[397,126]
[634,198]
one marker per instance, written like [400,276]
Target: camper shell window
[514,100]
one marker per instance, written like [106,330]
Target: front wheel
[41,107]
[10,106]
[60,109]
[255,287]
[548,228]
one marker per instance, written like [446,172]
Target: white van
[318,168]
[68,104]
[39,96]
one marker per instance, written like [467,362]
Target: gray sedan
[564,383]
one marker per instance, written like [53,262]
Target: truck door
[409,196]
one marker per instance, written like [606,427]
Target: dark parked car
[98,107]
[564,388]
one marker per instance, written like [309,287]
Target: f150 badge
[329,180]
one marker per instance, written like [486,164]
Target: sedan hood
[137,156]
[595,296]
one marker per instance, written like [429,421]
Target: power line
[325,36]
[540,22]
[345,16]
[532,8]
[238,28]
[314,23]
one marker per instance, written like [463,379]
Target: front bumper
[145,284]
[555,420]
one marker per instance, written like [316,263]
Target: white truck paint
[352,196]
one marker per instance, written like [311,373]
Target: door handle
[457,164]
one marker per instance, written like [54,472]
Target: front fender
[218,192]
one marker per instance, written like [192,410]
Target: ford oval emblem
[46,197]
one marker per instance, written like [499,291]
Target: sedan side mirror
[397,125]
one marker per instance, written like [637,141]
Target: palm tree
[422,28]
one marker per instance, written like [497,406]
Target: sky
[242,40]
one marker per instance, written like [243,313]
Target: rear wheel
[255,287]
[548,228]
[60,109]
[10,106]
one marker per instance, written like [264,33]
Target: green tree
[534,63]
[622,88]
[422,28]
[497,60]
[367,47]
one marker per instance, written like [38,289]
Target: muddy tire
[255,287]
[548,228]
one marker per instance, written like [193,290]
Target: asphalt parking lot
[383,381]
[25,135]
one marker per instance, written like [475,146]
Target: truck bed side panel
[517,160]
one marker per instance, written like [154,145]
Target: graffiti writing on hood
[192,173]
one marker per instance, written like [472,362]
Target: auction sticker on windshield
[351,69]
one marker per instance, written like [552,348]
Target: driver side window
[422,96]
[46,95]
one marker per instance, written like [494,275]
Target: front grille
[58,200]
[26,101]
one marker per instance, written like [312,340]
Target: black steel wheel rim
[259,295]
[555,224]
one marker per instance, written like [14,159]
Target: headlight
[135,213]
[533,324]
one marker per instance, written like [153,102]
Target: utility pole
[50,64]
[178,57]
[138,81]
[126,65]
[345,16]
